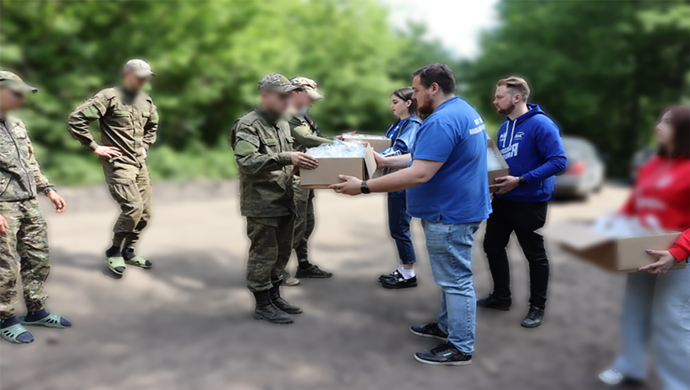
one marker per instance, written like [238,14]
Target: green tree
[209,56]
[602,70]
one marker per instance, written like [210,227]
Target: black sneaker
[392,275]
[444,355]
[491,302]
[534,318]
[399,282]
[313,271]
[430,330]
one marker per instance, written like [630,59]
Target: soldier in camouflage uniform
[23,235]
[128,122]
[263,150]
[306,135]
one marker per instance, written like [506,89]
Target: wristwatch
[47,190]
[522,182]
[364,188]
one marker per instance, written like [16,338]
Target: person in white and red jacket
[656,308]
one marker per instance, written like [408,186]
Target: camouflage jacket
[262,148]
[303,134]
[20,174]
[127,122]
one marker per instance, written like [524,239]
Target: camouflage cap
[140,68]
[14,82]
[309,86]
[276,83]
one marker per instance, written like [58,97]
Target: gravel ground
[187,323]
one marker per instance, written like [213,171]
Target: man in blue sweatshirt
[531,145]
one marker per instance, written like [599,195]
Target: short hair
[439,74]
[680,122]
[516,85]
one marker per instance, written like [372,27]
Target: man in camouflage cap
[306,135]
[263,150]
[128,121]
[23,231]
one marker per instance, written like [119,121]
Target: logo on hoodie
[510,151]
[518,136]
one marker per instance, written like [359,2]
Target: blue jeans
[656,321]
[450,255]
[399,226]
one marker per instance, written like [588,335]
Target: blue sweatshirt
[531,145]
[402,137]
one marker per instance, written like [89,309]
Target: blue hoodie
[531,145]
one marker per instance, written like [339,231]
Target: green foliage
[602,70]
[209,56]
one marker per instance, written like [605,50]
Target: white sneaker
[611,377]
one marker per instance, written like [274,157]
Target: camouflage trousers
[269,251]
[24,250]
[304,222]
[130,186]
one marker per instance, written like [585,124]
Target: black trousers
[523,218]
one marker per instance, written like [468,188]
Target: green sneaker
[117,264]
[139,261]
[17,334]
[50,321]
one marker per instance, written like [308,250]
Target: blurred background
[604,71]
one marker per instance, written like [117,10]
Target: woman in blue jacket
[402,134]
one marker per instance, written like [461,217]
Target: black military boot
[281,303]
[266,310]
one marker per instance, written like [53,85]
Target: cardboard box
[505,171]
[622,254]
[378,142]
[330,167]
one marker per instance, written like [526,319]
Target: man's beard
[506,111]
[426,108]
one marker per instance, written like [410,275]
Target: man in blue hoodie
[531,145]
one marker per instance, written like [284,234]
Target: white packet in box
[492,161]
[338,149]
[623,226]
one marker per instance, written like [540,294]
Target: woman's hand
[665,261]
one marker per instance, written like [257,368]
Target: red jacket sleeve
[629,207]
[681,248]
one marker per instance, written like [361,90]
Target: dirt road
[187,323]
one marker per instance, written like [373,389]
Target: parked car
[584,172]
[640,158]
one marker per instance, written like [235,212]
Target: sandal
[117,264]
[49,321]
[13,332]
[139,261]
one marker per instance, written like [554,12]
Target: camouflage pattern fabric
[269,252]
[130,186]
[304,221]
[262,145]
[303,134]
[276,83]
[304,198]
[23,250]
[127,122]
[20,174]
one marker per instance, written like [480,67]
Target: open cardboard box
[330,167]
[622,254]
[378,142]
[504,171]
